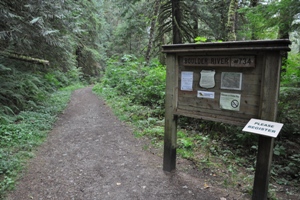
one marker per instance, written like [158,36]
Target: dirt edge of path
[90,154]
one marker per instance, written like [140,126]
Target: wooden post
[268,111]
[170,136]
[263,167]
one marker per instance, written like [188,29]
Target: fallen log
[24,58]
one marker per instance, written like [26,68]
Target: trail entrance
[90,154]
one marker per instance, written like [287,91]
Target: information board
[227,82]
[213,87]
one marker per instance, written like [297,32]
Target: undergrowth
[30,100]
[24,132]
[135,91]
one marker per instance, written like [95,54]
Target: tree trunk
[231,30]
[284,29]
[24,58]
[253,4]
[286,19]
[283,33]
[152,29]
[162,56]
[195,19]
[176,22]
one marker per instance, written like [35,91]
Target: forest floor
[90,154]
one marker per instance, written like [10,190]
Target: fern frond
[4,35]
[48,32]
[5,110]
[4,68]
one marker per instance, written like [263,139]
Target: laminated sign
[205,94]
[207,79]
[230,101]
[187,81]
[231,80]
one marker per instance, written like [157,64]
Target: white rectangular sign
[263,127]
[205,94]
[187,81]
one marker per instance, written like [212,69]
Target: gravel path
[90,154]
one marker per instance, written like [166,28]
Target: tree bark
[254,3]
[231,30]
[152,30]
[176,22]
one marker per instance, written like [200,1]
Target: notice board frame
[262,79]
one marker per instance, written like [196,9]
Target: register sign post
[263,127]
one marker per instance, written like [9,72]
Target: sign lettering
[263,127]
[219,61]
[242,61]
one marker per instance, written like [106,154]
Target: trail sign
[228,82]
[263,127]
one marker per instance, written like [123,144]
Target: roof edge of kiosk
[250,45]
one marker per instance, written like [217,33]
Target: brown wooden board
[189,103]
[219,61]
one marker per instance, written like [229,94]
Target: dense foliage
[136,83]
[45,45]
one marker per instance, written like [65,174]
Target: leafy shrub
[20,90]
[21,133]
[291,71]
[50,77]
[23,88]
[141,84]
[289,108]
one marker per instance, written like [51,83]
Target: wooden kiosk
[229,82]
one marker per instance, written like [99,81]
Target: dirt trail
[90,154]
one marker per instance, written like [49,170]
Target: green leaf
[3,68]
[200,39]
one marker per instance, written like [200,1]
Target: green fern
[4,68]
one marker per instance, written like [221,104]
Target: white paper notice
[207,79]
[230,101]
[187,81]
[205,94]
